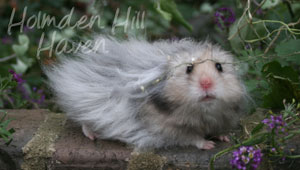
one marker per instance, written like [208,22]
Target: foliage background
[262,34]
[255,38]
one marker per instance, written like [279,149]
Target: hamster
[151,95]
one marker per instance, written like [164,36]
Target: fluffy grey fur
[140,93]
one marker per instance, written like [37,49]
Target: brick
[25,123]
[50,142]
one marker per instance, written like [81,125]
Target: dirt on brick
[41,147]
[149,161]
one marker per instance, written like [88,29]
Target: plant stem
[7,58]
[213,159]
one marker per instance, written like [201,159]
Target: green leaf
[68,33]
[11,131]
[1,103]
[290,49]
[8,142]
[168,8]
[275,69]
[23,39]
[20,67]
[237,38]
[283,83]
[270,4]
[167,16]
[241,31]
[257,128]
[256,140]
[21,48]
[3,116]
[54,36]
[206,7]
[5,123]
[6,83]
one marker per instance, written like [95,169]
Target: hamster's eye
[219,67]
[189,68]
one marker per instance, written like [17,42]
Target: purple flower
[17,77]
[27,29]
[248,46]
[41,98]
[275,122]
[259,11]
[6,40]
[224,17]
[273,150]
[24,92]
[246,156]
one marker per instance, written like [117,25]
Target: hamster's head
[204,77]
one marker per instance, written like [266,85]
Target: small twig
[279,31]
[249,11]
[236,33]
[293,31]
[273,41]
[262,38]
[255,2]
[238,23]
[256,33]
[259,6]
[246,131]
[7,58]
[9,100]
[264,24]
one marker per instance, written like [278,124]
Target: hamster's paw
[224,138]
[205,144]
[87,132]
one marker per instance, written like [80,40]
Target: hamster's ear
[241,68]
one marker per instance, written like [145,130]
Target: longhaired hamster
[151,95]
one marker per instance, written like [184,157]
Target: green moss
[149,161]
[41,147]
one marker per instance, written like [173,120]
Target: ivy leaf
[290,49]
[20,67]
[21,48]
[168,9]
[23,39]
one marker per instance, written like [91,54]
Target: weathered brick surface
[25,123]
[72,151]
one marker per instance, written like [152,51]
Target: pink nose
[206,83]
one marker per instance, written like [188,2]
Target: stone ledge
[25,123]
[50,142]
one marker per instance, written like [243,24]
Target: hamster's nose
[206,83]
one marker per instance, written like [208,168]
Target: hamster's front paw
[87,132]
[205,144]
[224,138]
